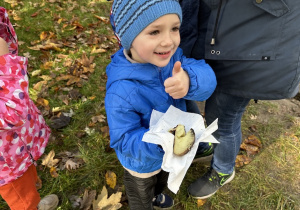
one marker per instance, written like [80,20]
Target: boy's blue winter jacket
[133,90]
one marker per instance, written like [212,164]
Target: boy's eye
[154,32]
[175,29]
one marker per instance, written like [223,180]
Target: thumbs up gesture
[178,85]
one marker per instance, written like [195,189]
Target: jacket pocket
[276,8]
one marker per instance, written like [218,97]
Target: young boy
[149,72]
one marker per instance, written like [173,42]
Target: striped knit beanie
[130,17]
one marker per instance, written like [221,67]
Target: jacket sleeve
[126,131]
[14,96]
[202,78]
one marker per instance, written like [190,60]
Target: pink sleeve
[14,96]
[7,32]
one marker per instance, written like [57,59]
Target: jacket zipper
[162,82]
[215,31]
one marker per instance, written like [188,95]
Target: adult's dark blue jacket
[133,90]
[252,45]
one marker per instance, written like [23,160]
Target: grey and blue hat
[130,17]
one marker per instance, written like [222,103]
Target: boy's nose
[167,40]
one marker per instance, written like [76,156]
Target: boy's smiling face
[157,43]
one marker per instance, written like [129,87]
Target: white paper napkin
[160,124]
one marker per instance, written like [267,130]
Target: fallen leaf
[43,35]
[56,109]
[104,19]
[75,201]
[87,199]
[34,14]
[36,72]
[105,130]
[43,102]
[64,98]
[53,172]
[100,50]
[92,97]
[62,56]
[74,94]
[38,86]
[111,179]
[253,128]
[71,79]
[200,202]
[71,165]
[89,131]
[60,121]
[47,65]
[253,140]
[12,3]
[242,160]
[111,203]
[99,118]
[47,46]
[38,183]
[250,149]
[49,160]
[33,93]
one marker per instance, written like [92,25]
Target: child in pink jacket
[23,131]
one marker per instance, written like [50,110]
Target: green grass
[268,182]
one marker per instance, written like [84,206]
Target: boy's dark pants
[141,191]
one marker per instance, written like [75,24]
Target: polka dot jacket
[23,131]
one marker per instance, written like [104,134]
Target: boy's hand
[178,85]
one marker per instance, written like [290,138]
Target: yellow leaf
[73,28]
[53,172]
[73,80]
[43,35]
[92,97]
[33,93]
[200,203]
[100,50]
[16,18]
[56,109]
[12,3]
[47,65]
[104,19]
[36,72]
[112,203]
[46,77]
[38,86]
[43,102]
[49,161]
[111,179]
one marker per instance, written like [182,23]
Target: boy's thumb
[176,68]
